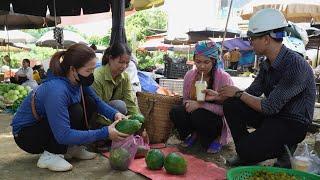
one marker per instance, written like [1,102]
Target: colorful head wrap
[209,49]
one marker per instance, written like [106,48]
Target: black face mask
[85,81]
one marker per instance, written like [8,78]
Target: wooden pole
[317,60]
[225,29]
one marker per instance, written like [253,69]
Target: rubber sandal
[189,141]
[214,147]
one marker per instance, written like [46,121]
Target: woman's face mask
[85,81]
[84,75]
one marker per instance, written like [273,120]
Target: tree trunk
[118,33]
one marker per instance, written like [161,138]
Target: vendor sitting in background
[199,120]
[39,73]
[24,75]
[233,57]
[111,81]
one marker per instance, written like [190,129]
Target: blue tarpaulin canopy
[237,42]
[247,53]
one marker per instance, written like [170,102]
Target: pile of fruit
[120,157]
[173,163]
[264,175]
[11,95]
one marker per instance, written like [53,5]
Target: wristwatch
[238,94]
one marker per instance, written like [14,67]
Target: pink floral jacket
[221,79]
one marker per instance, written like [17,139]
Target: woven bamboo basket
[156,108]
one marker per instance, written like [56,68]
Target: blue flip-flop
[214,147]
[189,141]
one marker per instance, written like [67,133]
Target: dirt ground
[16,164]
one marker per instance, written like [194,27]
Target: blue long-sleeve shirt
[52,100]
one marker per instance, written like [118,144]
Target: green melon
[138,117]
[174,163]
[154,159]
[128,126]
[119,159]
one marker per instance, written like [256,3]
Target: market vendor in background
[233,57]
[283,115]
[53,120]
[39,74]
[24,76]
[111,81]
[199,120]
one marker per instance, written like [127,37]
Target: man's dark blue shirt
[288,85]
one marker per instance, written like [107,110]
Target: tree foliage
[36,53]
[97,40]
[37,33]
[138,25]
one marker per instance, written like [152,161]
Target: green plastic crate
[245,172]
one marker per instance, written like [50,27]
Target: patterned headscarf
[209,49]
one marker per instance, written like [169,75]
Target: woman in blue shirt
[51,120]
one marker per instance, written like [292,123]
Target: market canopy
[61,7]
[293,10]
[243,45]
[12,21]
[12,48]
[16,36]
[69,38]
[199,34]
[146,4]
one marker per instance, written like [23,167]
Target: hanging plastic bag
[131,144]
[143,146]
[305,160]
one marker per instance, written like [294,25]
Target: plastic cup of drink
[301,163]
[200,86]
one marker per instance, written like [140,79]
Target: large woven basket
[156,108]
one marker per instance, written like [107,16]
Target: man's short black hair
[27,61]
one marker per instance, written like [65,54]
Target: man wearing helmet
[282,115]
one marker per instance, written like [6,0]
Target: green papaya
[154,159]
[128,126]
[174,163]
[138,117]
[119,159]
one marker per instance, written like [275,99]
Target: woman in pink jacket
[198,120]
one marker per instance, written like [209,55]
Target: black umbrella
[73,8]
[13,21]
[203,34]
[118,33]
[56,7]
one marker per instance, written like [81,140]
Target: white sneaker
[79,152]
[54,162]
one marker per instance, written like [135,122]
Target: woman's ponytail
[55,64]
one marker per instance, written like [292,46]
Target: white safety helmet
[295,44]
[265,21]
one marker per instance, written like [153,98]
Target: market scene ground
[17,164]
